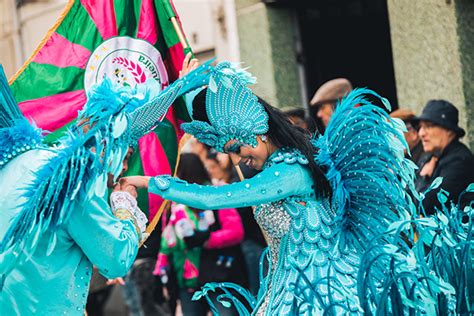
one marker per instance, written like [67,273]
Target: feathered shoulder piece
[17,135]
[69,172]
[363,152]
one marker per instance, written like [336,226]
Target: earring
[263,138]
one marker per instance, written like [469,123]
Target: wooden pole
[179,32]
[151,227]
[239,172]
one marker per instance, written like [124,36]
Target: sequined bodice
[275,222]
[273,219]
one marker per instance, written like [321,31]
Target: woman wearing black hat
[450,159]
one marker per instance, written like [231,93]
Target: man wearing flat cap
[326,97]
[450,159]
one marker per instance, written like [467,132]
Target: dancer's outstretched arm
[274,183]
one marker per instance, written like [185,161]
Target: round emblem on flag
[126,61]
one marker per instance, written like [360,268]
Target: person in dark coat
[449,158]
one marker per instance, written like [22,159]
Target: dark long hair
[192,170]
[282,134]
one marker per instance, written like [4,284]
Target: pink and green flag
[127,40]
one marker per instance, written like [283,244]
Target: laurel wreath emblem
[133,67]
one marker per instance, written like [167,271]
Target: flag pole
[168,8]
[239,172]
[179,32]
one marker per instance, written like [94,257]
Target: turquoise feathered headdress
[234,112]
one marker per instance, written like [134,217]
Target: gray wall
[433,51]
[267,46]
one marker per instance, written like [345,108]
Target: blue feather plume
[362,150]
[17,135]
[9,111]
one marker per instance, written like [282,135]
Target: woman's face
[214,168]
[253,157]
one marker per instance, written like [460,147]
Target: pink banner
[148,23]
[53,112]
[103,14]
[154,163]
[76,56]
[174,61]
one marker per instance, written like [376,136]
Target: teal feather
[17,135]
[360,145]
[430,274]
[9,110]
[232,295]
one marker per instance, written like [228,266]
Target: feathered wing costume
[77,168]
[338,255]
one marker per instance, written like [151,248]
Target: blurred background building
[409,51]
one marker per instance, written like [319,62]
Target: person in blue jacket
[55,220]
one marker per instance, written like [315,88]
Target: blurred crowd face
[298,121]
[411,136]
[325,111]
[434,137]
[224,160]
[199,149]
[214,169]
[252,157]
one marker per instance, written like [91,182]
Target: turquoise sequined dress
[298,226]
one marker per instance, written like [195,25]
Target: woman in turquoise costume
[55,222]
[336,210]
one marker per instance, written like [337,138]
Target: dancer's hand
[131,189]
[116,281]
[136,181]
[188,65]
[126,188]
